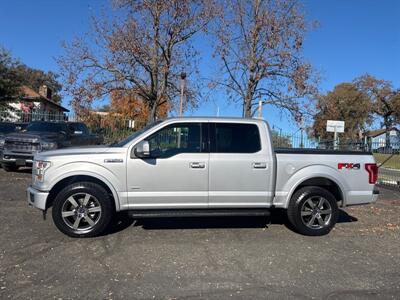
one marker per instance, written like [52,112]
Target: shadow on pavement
[277,217]
[344,217]
[120,222]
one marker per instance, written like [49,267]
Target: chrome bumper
[36,198]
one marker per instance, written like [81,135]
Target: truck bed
[320,151]
[346,169]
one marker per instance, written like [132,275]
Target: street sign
[335,126]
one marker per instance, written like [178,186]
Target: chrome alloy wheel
[81,212]
[316,212]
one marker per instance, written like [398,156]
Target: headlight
[2,141]
[48,145]
[39,169]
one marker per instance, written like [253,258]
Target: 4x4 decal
[351,166]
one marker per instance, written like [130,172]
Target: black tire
[99,197]
[10,168]
[304,223]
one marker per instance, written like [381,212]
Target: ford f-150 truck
[199,167]
[19,148]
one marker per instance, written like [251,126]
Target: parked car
[19,148]
[6,128]
[83,135]
[188,167]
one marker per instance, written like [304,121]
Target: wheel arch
[317,175]
[323,182]
[68,180]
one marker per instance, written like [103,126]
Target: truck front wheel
[313,211]
[82,209]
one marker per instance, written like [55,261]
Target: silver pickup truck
[187,167]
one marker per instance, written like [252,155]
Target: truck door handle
[197,165]
[259,165]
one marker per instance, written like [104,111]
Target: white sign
[393,133]
[334,126]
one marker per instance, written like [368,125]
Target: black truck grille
[21,146]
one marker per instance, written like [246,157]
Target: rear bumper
[362,197]
[36,198]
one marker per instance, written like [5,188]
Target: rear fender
[285,193]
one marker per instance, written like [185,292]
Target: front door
[176,173]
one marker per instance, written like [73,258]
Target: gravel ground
[235,258]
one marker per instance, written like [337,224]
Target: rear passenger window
[236,138]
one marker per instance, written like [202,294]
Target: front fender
[87,169]
[286,190]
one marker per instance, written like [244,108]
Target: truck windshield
[46,127]
[135,135]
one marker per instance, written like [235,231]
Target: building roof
[31,95]
[378,132]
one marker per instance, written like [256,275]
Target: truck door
[241,169]
[176,173]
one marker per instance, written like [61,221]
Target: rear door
[240,167]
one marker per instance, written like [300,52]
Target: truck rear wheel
[313,211]
[82,210]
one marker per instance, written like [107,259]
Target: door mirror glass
[141,150]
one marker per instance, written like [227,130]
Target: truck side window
[175,139]
[235,138]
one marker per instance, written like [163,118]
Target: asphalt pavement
[203,258]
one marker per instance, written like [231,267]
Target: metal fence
[115,127]
[386,156]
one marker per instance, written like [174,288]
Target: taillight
[372,170]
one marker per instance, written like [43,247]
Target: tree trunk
[387,124]
[152,115]
[247,108]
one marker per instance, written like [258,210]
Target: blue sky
[354,37]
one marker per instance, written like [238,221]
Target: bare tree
[142,51]
[260,44]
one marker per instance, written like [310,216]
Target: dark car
[19,148]
[82,134]
[6,128]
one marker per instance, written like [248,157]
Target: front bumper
[19,159]
[37,198]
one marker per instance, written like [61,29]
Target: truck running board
[179,213]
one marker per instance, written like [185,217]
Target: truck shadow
[122,221]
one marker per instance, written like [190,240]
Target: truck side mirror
[141,150]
